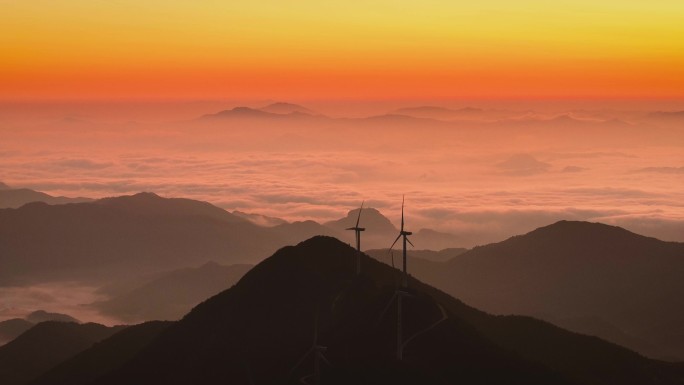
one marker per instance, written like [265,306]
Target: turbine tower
[358,231]
[403,234]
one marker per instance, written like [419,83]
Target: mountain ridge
[229,338]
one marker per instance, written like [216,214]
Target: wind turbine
[317,351]
[358,231]
[403,233]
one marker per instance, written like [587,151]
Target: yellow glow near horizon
[495,48]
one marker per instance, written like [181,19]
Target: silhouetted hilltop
[13,198]
[46,345]
[103,357]
[257,331]
[578,269]
[112,236]
[286,108]
[174,294]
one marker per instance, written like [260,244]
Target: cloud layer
[484,181]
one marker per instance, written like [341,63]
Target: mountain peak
[239,112]
[371,219]
[286,108]
[579,229]
[4,186]
[257,331]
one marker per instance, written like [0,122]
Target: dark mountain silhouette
[39,316]
[286,108]
[46,345]
[172,295]
[145,233]
[13,198]
[577,270]
[103,357]
[256,332]
[113,237]
[13,328]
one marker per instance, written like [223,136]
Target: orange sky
[305,49]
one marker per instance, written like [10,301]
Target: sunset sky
[104,97]
[305,49]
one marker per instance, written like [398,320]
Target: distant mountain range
[259,331]
[145,232]
[589,277]
[271,111]
[141,233]
[432,115]
[287,108]
[17,197]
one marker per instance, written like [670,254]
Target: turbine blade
[409,241]
[392,255]
[402,213]
[395,241]
[359,217]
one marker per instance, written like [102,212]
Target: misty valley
[341,192]
[145,289]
